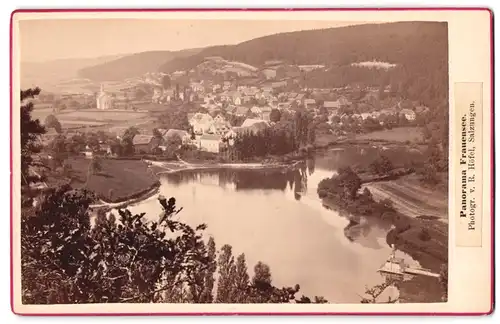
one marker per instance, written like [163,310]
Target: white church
[103,100]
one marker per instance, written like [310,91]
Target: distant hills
[48,74]
[418,51]
[133,65]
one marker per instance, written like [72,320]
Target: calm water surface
[276,217]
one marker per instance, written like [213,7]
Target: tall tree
[52,122]
[94,167]
[226,275]
[30,134]
[241,280]
[209,280]
[166,82]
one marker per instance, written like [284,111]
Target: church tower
[103,101]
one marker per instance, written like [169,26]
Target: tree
[382,165]
[58,150]
[226,274]
[174,120]
[52,122]
[343,186]
[381,92]
[140,94]
[74,104]
[166,82]
[125,259]
[209,280]
[372,294]
[31,130]
[323,110]
[127,141]
[115,146]
[241,280]
[131,132]
[275,115]
[157,133]
[94,167]
[92,141]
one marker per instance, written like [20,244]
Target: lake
[276,217]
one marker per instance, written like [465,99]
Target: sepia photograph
[232,161]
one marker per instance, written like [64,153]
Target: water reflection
[246,180]
[361,230]
[276,216]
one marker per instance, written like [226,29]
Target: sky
[44,40]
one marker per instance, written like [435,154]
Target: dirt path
[410,199]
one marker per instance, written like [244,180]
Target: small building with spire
[103,100]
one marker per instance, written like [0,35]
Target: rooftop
[211,137]
[142,139]
[173,132]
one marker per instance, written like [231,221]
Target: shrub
[424,235]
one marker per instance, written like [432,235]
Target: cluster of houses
[214,102]
[209,134]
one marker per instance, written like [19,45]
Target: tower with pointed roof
[103,101]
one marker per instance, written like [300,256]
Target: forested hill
[132,65]
[419,50]
[402,42]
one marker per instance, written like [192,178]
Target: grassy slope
[124,177]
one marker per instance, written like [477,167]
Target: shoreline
[148,193]
[175,167]
[181,167]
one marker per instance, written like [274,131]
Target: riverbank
[416,231]
[409,197]
[141,196]
[173,167]
[384,139]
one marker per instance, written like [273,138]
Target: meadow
[101,115]
[400,134]
[119,180]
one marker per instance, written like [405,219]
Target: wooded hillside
[419,49]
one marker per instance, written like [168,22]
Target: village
[217,111]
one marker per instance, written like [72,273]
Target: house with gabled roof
[201,123]
[210,143]
[257,124]
[146,144]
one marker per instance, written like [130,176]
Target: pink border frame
[492,300]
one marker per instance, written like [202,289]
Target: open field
[102,115]
[400,134]
[42,113]
[73,123]
[119,180]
